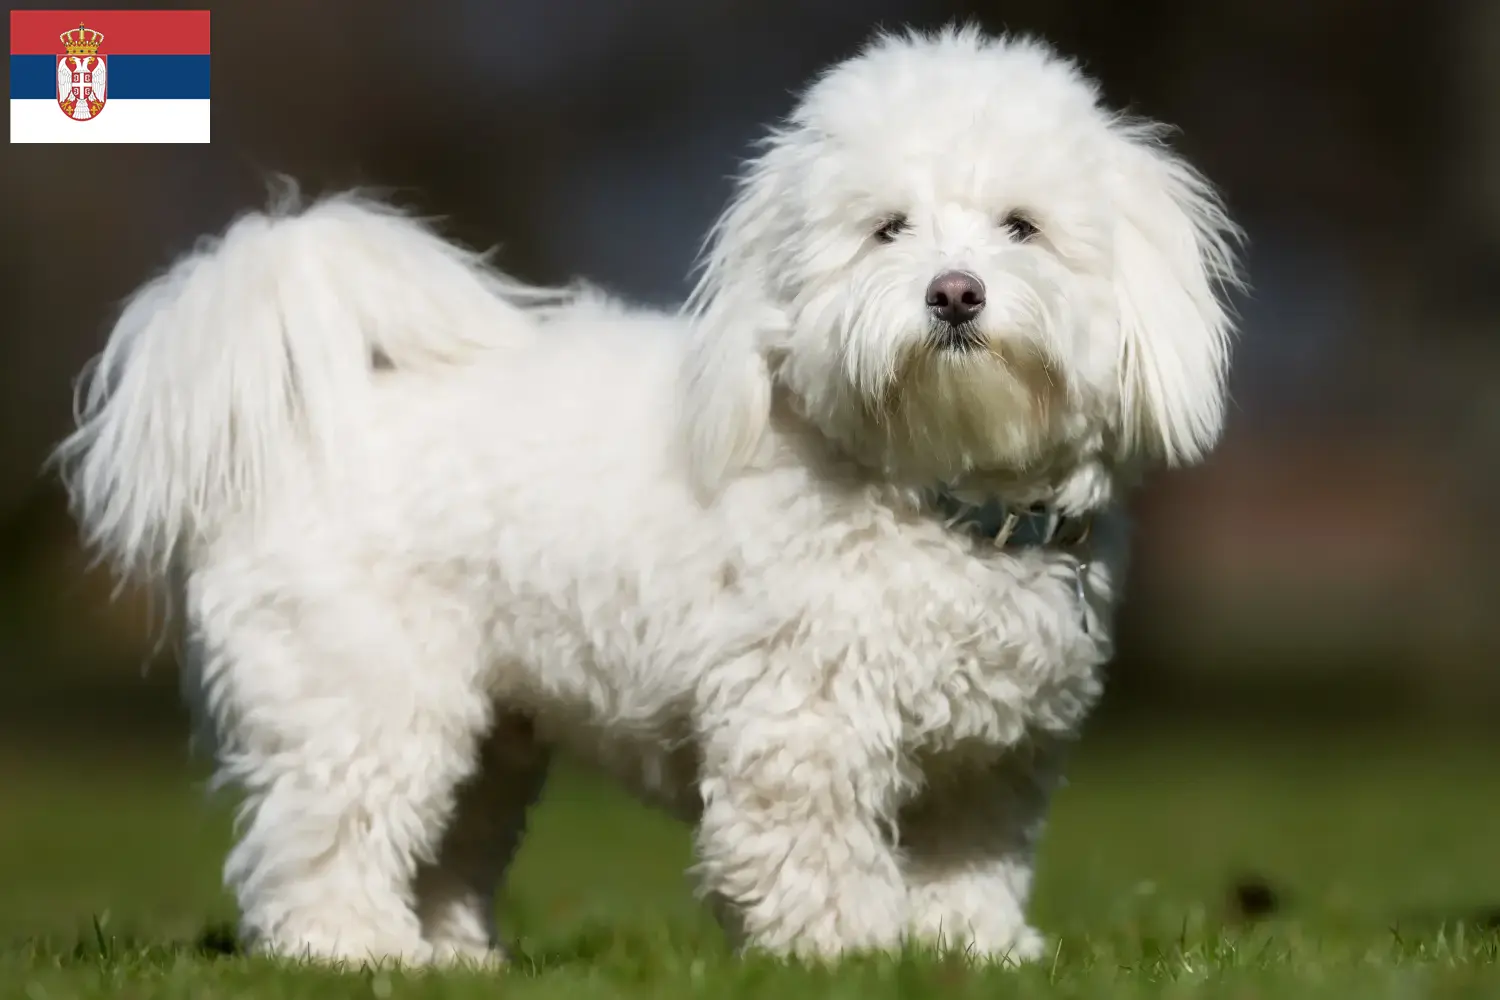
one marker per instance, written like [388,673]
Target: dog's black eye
[891,228]
[1020,227]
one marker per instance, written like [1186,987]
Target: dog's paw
[316,947]
[1028,945]
[998,945]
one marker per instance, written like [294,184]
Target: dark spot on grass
[1253,898]
[217,941]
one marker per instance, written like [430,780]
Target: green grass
[1386,852]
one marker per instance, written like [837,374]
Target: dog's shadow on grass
[588,945]
[1251,900]
[99,945]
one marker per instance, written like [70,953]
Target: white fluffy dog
[824,566]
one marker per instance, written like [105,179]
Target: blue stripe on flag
[34,78]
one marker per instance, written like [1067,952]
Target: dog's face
[954,261]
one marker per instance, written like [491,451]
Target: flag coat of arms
[109,76]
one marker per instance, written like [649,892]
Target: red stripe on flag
[126,32]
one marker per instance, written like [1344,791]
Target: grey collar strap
[1013,528]
[1010,527]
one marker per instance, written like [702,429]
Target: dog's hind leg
[350,723]
[456,893]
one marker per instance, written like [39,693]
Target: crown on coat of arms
[81,41]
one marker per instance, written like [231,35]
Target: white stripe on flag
[120,121]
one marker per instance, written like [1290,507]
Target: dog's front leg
[794,843]
[969,849]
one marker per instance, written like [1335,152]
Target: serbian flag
[109,76]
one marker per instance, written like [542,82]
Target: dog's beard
[987,405]
[929,403]
[944,412]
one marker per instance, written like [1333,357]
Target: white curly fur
[425,524]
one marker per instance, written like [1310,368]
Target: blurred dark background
[1333,561]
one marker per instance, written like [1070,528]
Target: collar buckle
[1008,527]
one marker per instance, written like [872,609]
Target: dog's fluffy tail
[241,362]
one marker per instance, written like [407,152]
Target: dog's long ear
[1174,260]
[725,390]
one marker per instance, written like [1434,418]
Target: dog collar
[1014,528]
[1007,526]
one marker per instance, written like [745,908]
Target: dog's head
[952,260]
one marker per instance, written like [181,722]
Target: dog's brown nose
[955,297]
